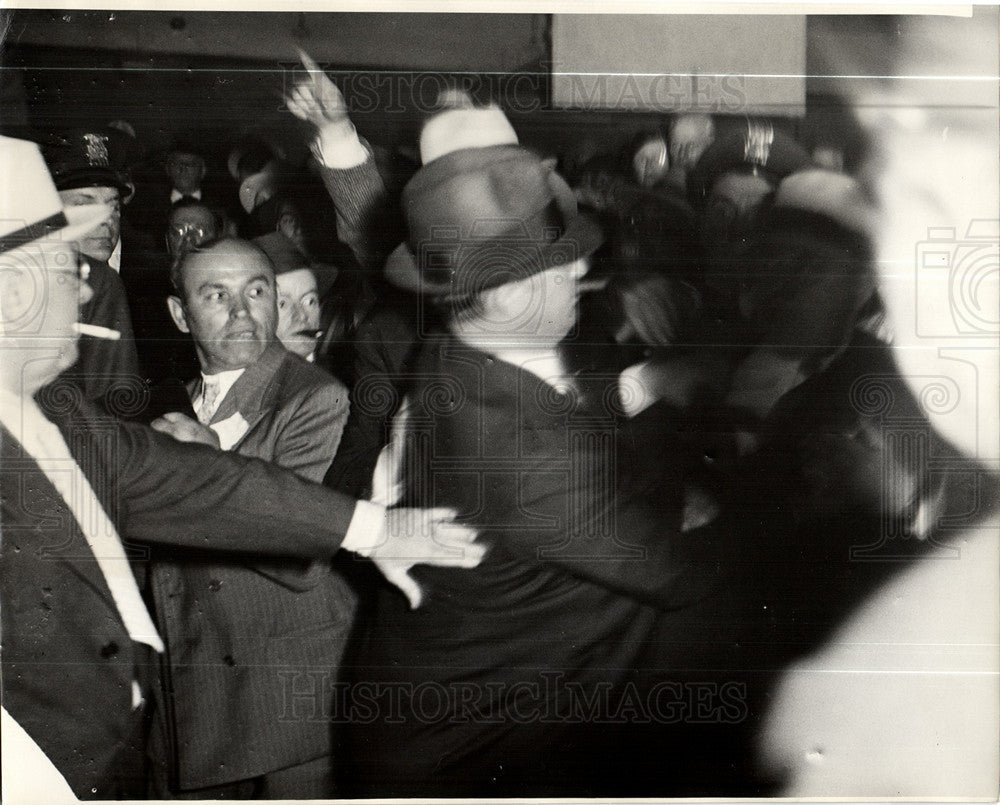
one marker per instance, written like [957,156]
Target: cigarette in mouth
[96,332]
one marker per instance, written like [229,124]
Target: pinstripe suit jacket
[242,636]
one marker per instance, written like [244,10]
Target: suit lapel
[253,394]
[41,507]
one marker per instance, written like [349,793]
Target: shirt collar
[115,260]
[176,195]
[224,380]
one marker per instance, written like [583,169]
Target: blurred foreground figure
[584,517]
[902,700]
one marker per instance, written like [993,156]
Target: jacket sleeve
[584,500]
[195,496]
[364,223]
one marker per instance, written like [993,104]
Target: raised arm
[347,166]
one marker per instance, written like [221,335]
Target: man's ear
[176,308]
[509,302]
[15,296]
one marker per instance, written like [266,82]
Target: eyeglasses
[187,229]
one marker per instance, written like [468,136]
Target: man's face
[537,311]
[298,311]
[562,297]
[229,305]
[189,226]
[548,303]
[100,241]
[41,296]
[185,171]
[290,225]
[690,136]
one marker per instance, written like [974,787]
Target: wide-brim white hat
[32,215]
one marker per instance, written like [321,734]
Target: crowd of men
[530,485]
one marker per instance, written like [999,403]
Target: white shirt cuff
[340,148]
[366,529]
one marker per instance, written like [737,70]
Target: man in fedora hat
[78,639]
[480,692]
[730,185]
[82,164]
[184,178]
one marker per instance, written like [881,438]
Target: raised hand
[423,537]
[316,99]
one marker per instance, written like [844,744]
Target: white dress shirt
[115,260]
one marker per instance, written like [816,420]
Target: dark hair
[189,203]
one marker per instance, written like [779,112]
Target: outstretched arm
[191,495]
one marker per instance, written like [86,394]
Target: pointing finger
[307,62]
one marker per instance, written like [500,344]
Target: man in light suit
[234,654]
[77,638]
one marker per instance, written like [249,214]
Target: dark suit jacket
[67,660]
[241,637]
[569,588]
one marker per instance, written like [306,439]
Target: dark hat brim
[581,237]
[95,177]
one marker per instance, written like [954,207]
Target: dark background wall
[221,75]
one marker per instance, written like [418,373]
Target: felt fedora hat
[285,257]
[837,196]
[31,213]
[482,217]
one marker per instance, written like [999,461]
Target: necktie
[209,401]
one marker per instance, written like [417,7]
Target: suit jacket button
[228,660]
[110,650]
